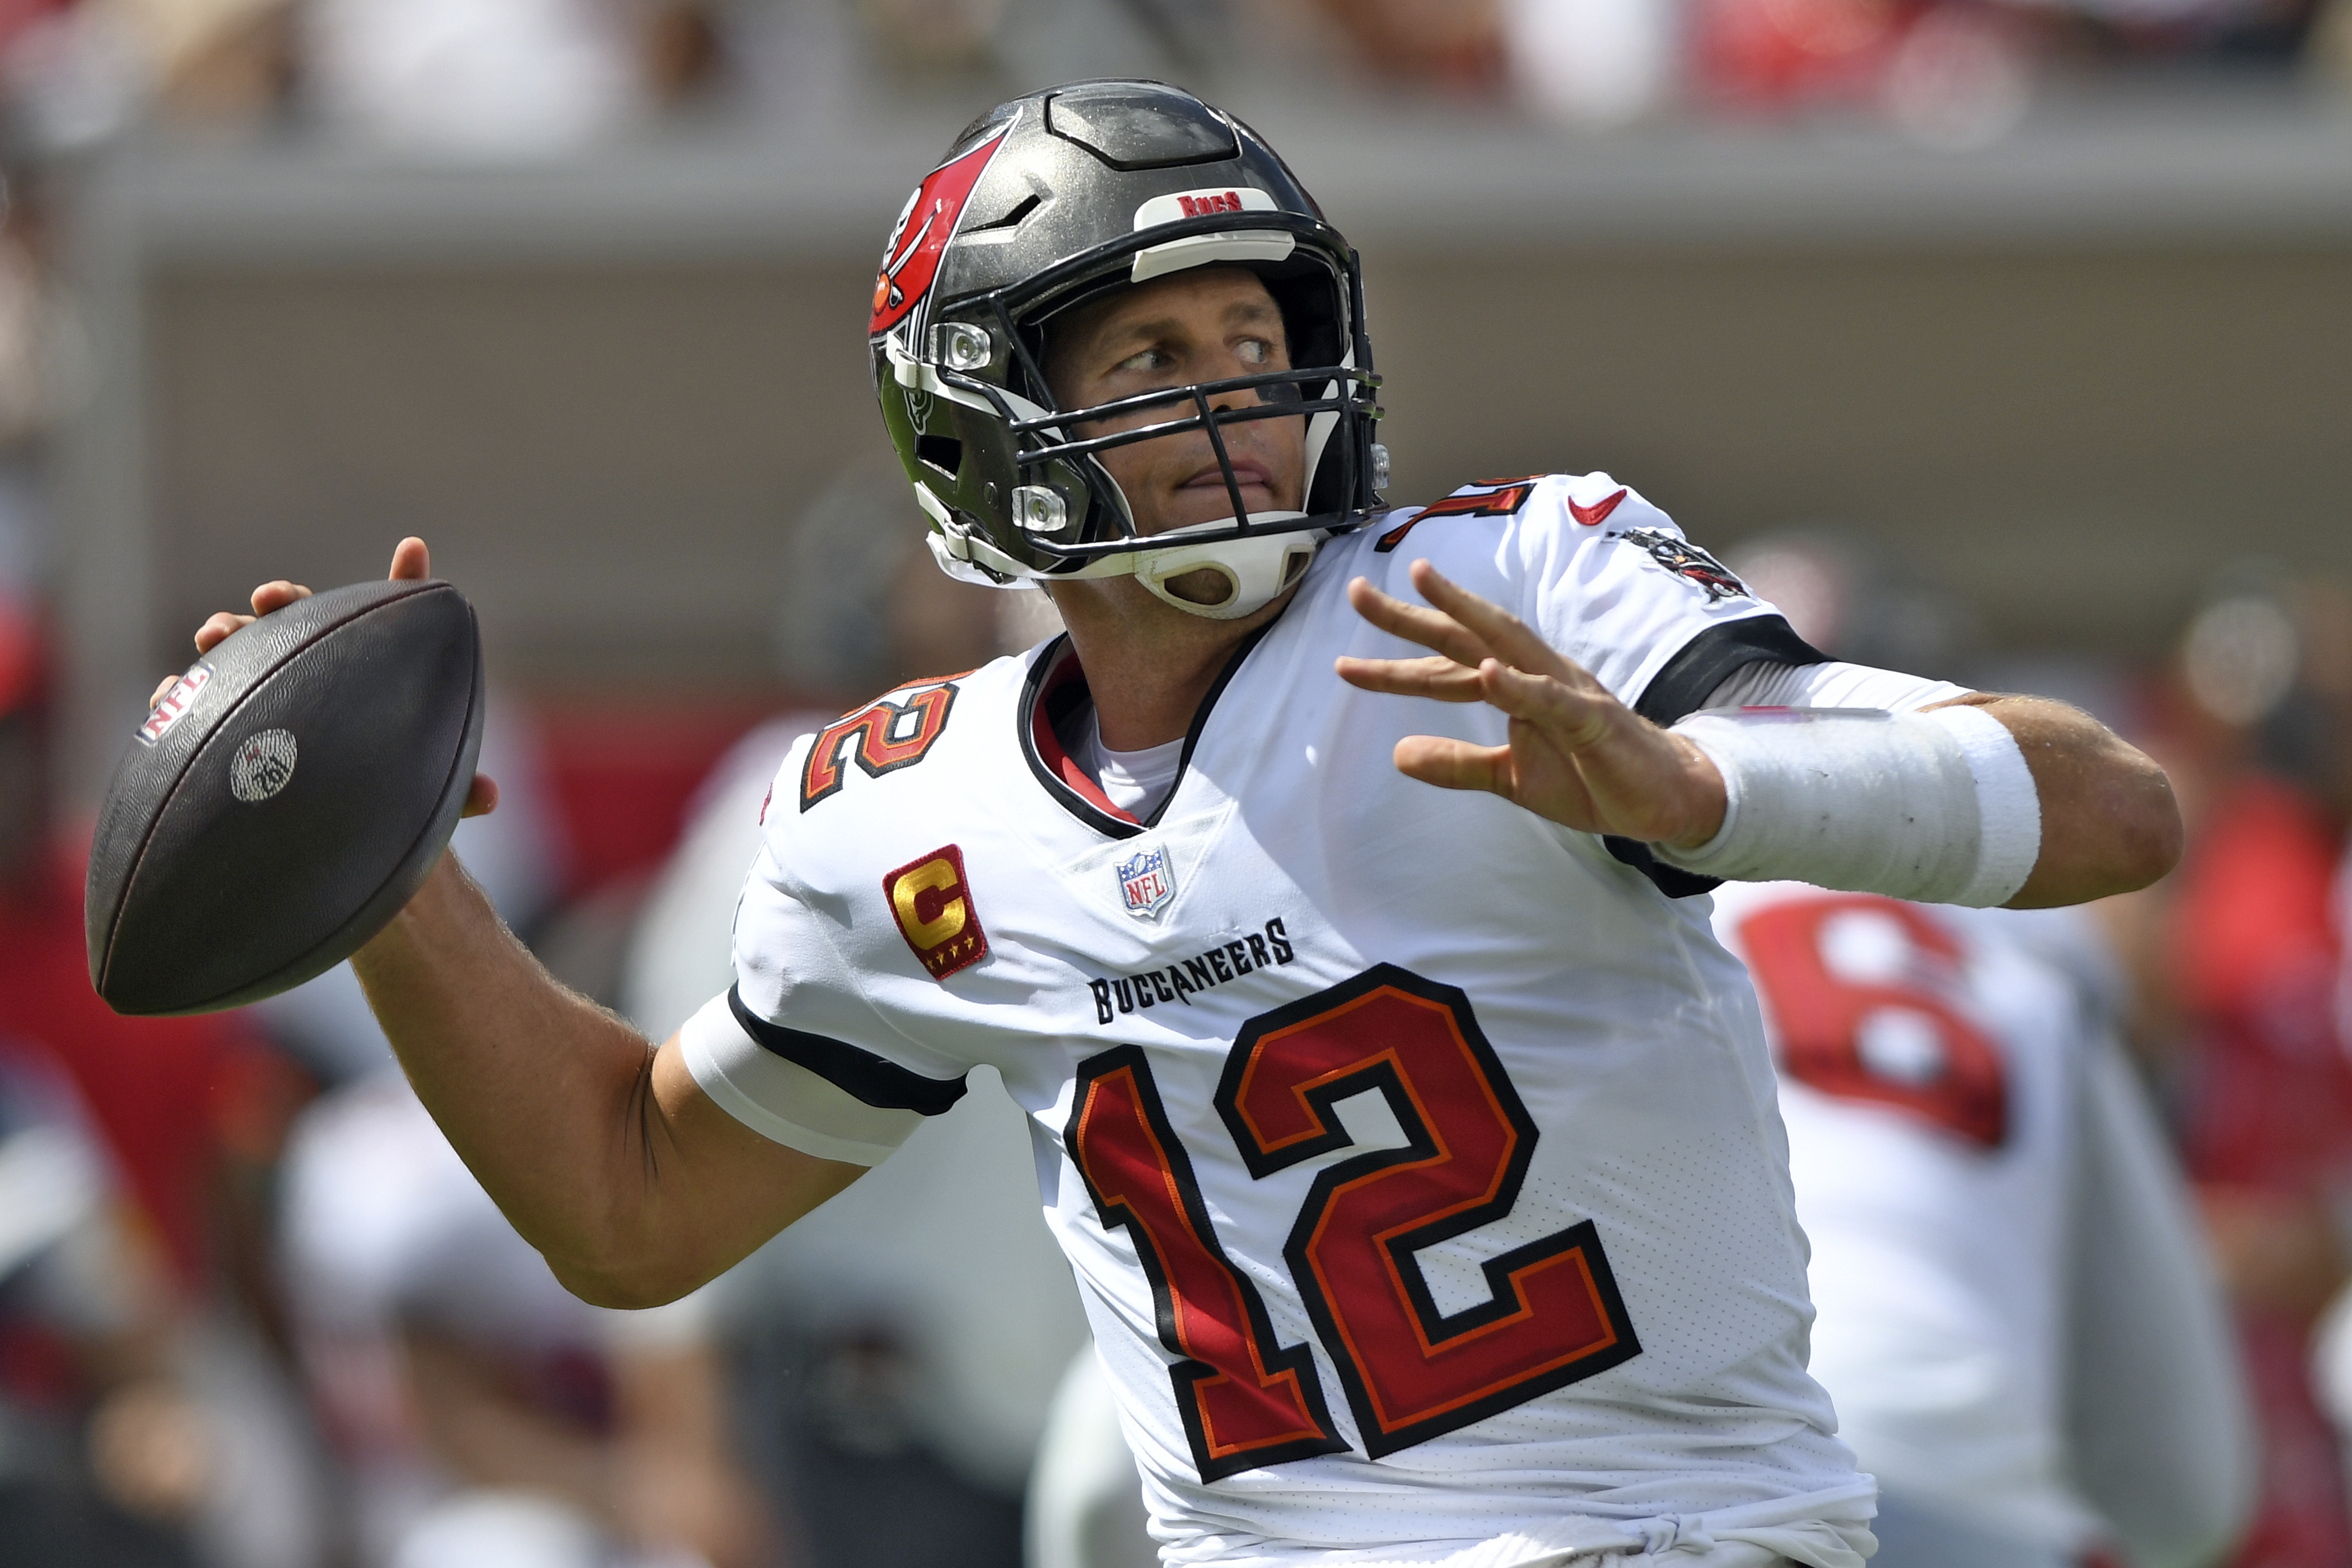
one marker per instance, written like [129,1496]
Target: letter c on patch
[939,878]
[932,904]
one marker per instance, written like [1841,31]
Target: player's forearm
[2109,824]
[542,1093]
[602,1151]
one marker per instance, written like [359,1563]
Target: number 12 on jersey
[1410,1370]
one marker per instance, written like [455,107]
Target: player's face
[1205,325]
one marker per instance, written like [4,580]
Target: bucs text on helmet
[1055,199]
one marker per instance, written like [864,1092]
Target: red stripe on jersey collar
[1058,683]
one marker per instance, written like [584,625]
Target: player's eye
[1145,360]
[1254,351]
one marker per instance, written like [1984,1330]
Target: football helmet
[1052,200]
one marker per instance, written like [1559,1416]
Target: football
[285,798]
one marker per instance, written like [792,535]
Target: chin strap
[1255,570]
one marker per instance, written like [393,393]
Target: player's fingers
[411,561]
[1436,676]
[481,796]
[1577,719]
[215,631]
[1454,764]
[157,696]
[1416,622]
[276,596]
[1505,636]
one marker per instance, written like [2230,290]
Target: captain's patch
[932,904]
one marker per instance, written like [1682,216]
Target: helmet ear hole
[944,453]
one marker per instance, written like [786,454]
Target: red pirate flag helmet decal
[910,260]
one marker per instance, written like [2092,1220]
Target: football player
[1414,1147]
[2019,1324]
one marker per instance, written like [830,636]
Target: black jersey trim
[1054,688]
[1714,656]
[1671,880]
[1681,689]
[884,1085]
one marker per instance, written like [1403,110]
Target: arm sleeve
[2156,1405]
[1768,684]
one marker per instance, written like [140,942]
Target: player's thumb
[411,561]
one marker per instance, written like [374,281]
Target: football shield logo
[910,259]
[1147,884]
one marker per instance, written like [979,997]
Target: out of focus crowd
[520,77]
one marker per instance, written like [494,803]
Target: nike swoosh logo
[1592,516]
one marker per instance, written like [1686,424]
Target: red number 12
[1411,1371]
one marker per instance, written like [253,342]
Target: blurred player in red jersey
[190,1111]
[2017,1320]
[2237,956]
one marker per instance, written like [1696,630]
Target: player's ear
[481,796]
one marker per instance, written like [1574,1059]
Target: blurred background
[2003,340]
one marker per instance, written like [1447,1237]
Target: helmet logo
[910,259]
[1216,199]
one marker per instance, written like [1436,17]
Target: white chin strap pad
[1255,571]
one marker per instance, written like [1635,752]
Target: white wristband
[1937,808]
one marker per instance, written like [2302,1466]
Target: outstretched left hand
[1576,754]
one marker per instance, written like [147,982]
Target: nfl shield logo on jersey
[1145,882]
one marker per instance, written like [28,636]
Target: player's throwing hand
[411,563]
[1576,756]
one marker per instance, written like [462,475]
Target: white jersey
[1417,1157]
[1974,1174]
[1929,1067]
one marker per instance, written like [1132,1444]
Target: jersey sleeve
[1613,583]
[795,1049]
[2162,1436]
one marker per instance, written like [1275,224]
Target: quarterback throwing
[1414,1147]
